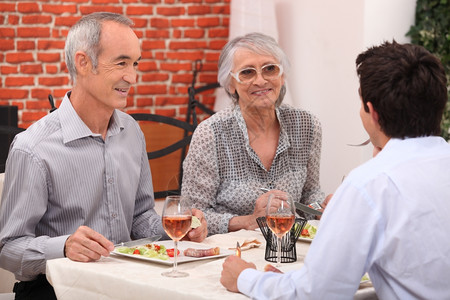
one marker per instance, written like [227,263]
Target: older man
[78,180]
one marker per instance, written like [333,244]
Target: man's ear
[82,62]
[373,113]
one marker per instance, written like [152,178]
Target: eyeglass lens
[268,72]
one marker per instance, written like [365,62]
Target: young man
[78,180]
[390,217]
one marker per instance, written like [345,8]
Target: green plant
[432,32]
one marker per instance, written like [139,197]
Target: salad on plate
[309,231]
[148,250]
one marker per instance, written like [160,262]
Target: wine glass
[280,216]
[176,220]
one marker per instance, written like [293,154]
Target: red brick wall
[174,33]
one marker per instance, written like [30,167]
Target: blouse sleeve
[312,191]
[201,176]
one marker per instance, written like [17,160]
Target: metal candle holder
[288,241]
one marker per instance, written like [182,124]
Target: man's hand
[198,234]
[85,245]
[232,268]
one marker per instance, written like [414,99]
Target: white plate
[304,239]
[182,245]
[313,223]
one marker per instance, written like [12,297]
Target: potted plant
[431,30]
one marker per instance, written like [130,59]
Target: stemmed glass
[176,220]
[280,216]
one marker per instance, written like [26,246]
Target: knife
[143,241]
[307,209]
[238,250]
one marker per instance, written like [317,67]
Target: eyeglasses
[268,72]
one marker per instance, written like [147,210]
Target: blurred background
[321,38]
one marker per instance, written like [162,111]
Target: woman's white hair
[258,43]
[85,36]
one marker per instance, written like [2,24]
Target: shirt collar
[284,142]
[74,128]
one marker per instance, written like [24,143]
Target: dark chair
[167,142]
[193,91]
[8,129]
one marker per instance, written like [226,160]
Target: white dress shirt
[390,217]
[60,175]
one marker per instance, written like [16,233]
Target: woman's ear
[231,89]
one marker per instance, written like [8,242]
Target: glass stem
[278,251]
[175,255]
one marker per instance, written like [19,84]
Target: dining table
[122,277]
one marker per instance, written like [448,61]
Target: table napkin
[248,244]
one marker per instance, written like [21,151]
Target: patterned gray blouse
[223,174]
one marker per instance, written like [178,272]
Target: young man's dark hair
[406,86]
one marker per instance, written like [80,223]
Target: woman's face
[260,92]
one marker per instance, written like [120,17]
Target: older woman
[257,143]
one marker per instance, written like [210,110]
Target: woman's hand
[261,203]
[326,201]
[248,222]
[324,204]
[198,234]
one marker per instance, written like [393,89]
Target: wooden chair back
[167,141]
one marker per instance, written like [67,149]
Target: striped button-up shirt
[59,175]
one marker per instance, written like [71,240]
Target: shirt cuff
[246,280]
[55,247]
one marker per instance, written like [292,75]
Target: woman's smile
[261,92]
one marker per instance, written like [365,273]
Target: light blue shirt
[390,218]
[59,175]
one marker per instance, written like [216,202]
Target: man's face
[120,52]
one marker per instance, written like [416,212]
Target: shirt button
[111,180]
[114,215]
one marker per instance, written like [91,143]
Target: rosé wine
[280,224]
[176,226]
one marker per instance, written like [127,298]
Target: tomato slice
[171,252]
[305,232]
[136,251]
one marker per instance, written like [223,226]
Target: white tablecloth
[117,277]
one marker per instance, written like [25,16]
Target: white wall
[322,39]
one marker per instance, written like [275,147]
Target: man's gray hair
[258,43]
[85,36]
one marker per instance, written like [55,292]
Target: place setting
[177,220]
